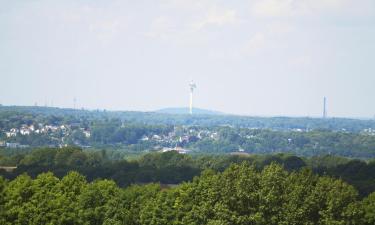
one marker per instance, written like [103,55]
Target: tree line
[173,168]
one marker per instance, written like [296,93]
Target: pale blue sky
[251,57]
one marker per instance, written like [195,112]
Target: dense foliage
[316,142]
[239,195]
[173,168]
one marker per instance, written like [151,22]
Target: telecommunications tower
[192,86]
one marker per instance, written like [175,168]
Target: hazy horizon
[261,57]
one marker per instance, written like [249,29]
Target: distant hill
[182,110]
[180,116]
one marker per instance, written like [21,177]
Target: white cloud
[273,8]
[217,17]
[161,27]
[191,5]
[187,28]
[93,22]
[105,30]
[300,61]
[290,8]
[271,35]
[199,14]
[278,28]
[258,41]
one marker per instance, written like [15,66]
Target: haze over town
[269,57]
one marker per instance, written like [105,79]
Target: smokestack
[325,108]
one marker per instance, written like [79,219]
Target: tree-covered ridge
[36,129]
[239,195]
[276,123]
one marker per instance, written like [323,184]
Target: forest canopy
[239,195]
[172,167]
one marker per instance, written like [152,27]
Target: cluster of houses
[177,149]
[175,140]
[40,129]
[27,130]
[43,129]
[180,137]
[12,145]
[369,131]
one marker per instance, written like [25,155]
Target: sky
[248,57]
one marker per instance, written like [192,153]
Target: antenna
[325,108]
[192,86]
